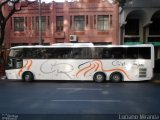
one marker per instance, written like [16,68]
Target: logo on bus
[118,63]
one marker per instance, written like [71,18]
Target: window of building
[70,22]
[95,17]
[132,27]
[26,25]
[11,22]
[59,23]
[111,21]
[32,23]
[103,21]
[86,20]
[18,23]
[154,28]
[48,22]
[43,23]
[79,23]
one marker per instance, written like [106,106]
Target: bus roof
[59,45]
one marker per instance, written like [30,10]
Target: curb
[156,81]
[156,78]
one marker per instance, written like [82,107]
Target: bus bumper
[11,74]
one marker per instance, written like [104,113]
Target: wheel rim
[99,77]
[27,77]
[116,78]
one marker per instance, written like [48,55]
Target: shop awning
[132,43]
[155,43]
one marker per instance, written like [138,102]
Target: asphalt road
[51,97]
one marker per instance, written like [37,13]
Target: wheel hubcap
[26,77]
[116,77]
[99,77]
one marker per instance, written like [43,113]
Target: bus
[81,61]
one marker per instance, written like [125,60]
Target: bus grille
[142,72]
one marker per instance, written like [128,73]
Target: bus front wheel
[28,77]
[99,77]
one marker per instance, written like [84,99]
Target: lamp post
[40,23]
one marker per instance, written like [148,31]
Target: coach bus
[81,61]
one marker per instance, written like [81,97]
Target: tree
[14,6]
[5,14]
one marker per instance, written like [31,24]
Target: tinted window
[80,53]
[31,53]
[131,53]
[110,53]
[98,53]
[145,53]
[106,53]
[84,53]
[123,53]
[118,53]
[58,53]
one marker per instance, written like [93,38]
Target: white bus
[81,61]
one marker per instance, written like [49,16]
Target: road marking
[110,101]
[79,89]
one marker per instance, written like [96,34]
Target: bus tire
[28,77]
[116,77]
[99,77]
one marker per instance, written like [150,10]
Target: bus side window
[76,53]
[67,53]
[28,53]
[118,53]
[144,53]
[132,53]
[86,53]
[98,53]
[45,53]
[106,54]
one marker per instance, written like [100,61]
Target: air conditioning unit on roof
[73,38]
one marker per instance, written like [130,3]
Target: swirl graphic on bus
[95,66]
[27,66]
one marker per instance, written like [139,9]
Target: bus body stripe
[89,69]
[117,69]
[25,66]
[96,67]
[20,71]
[28,68]
[83,69]
[99,66]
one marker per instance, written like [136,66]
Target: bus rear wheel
[28,77]
[116,77]
[99,77]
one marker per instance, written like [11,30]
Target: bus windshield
[16,53]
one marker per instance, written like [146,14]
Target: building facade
[140,23]
[78,21]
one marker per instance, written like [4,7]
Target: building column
[122,32]
[146,31]
[66,22]
[52,22]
